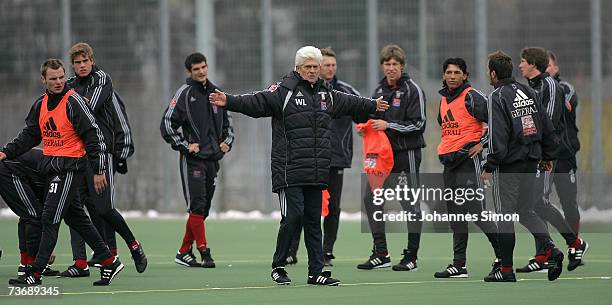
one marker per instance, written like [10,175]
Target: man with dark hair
[301,106]
[462,118]
[96,88]
[342,156]
[206,136]
[520,136]
[64,124]
[404,124]
[534,62]
[566,167]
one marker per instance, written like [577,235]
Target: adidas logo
[50,129]
[448,122]
[56,179]
[521,99]
[50,125]
[299,94]
[192,99]
[448,117]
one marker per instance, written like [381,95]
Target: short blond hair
[79,49]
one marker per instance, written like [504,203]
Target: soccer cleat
[186,259]
[108,273]
[556,264]
[499,276]
[140,259]
[207,260]
[452,272]
[22,269]
[408,262]
[291,260]
[28,279]
[495,266]
[575,255]
[533,266]
[279,275]
[328,259]
[50,272]
[324,279]
[74,271]
[375,262]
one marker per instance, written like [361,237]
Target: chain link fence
[254,45]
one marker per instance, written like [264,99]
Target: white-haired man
[301,106]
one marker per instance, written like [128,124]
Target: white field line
[594,278]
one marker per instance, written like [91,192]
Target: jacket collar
[451,96]
[94,69]
[538,79]
[504,81]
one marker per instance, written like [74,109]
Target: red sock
[576,243]
[108,261]
[31,259]
[114,251]
[543,258]
[196,223]
[506,269]
[187,238]
[133,246]
[80,263]
[24,258]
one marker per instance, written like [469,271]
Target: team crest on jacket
[273,88]
[529,127]
[397,100]
[323,105]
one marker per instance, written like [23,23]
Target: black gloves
[121,166]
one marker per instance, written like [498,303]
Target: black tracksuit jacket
[199,121]
[406,113]
[301,130]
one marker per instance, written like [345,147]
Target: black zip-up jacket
[476,105]
[342,131]
[85,126]
[301,130]
[406,113]
[199,120]
[519,128]
[553,101]
[571,127]
[108,109]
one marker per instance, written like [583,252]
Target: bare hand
[99,183]
[381,105]
[224,147]
[546,165]
[2,156]
[379,125]
[194,148]
[475,150]
[486,178]
[218,98]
